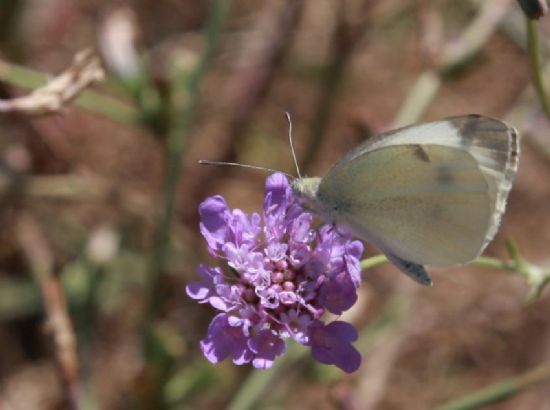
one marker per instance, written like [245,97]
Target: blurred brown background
[82,190]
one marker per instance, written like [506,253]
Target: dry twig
[35,247]
[61,90]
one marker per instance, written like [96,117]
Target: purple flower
[331,344]
[282,275]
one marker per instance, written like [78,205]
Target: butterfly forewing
[493,144]
[425,204]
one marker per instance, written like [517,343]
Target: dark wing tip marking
[421,153]
[514,149]
[413,270]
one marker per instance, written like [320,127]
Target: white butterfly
[431,193]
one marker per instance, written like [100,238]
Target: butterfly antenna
[236,164]
[292,144]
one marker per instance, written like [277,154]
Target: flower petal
[339,294]
[266,346]
[278,195]
[331,344]
[214,227]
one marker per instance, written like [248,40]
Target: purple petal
[269,298]
[278,194]
[355,249]
[353,268]
[216,347]
[245,230]
[204,289]
[214,215]
[331,344]
[296,325]
[338,294]
[300,229]
[198,291]
[224,340]
[266,346]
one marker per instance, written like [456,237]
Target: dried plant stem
[39,255]
[100,104]
[537,71]
[472,39]
[59,91]
[499,391]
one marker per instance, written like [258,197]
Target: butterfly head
[306,190]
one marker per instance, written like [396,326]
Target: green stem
[185,101]
[499,391]
[18,298]
[533,47]
[259,381]
[373,262]
[482,261]
[109,107]
[488,262]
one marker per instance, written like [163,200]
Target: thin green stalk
[489,262]
[185,103]
[109,107]
[373,262]
[482,261]
[533,47]
[499,391]
[259,381]
[18,298]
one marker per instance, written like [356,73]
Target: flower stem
[373,261]
[259,381]
[499,391]
[533,47]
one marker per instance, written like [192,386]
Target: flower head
[282,275]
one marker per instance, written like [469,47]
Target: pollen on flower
[288,275]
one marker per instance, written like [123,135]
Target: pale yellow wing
[492,143]
[427,204]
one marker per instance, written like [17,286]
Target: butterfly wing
[425,204]
[493,144]
[415,271]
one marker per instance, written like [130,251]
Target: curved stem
[499,391]
[533,47]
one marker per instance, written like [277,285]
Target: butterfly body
[429,194]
